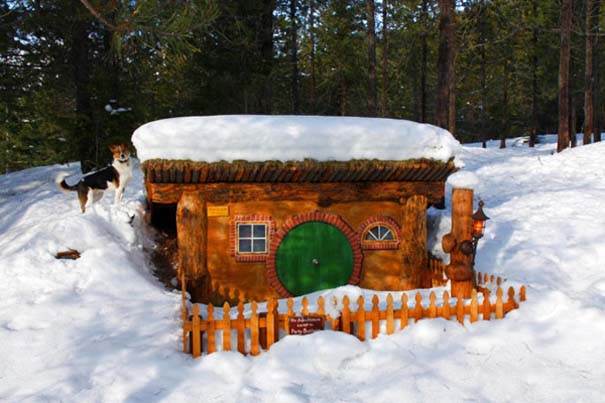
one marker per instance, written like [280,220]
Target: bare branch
[97,15]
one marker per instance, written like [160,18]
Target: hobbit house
[277,206]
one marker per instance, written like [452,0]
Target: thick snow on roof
[291,138]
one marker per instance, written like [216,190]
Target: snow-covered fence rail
[260,330]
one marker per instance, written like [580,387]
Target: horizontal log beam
[324,194]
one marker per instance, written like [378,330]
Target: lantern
[479,219]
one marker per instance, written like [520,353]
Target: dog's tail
[62,185]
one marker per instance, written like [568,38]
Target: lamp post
[479,218]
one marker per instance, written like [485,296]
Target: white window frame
[252,238]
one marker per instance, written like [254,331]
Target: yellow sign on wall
[218,211]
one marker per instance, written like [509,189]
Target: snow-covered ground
[101,328]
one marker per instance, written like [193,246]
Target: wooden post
[361,320]
[196,340]
[191,225]
[414,269]
[211,329]
[390,316]
[346,315]
[474,307]
[404,315]
[487,308]
[226,327]
[254,349]
[499,304]
[375,316]
[460,270]
[432,305]
[445,311]
[241,328]
[418,307]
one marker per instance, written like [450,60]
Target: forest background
[76,75]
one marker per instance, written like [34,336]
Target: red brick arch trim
[297,220]
[250,219]
[379,245]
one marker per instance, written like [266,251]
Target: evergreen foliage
[78,75]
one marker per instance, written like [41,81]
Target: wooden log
[404,314]
[226,327]
[413,272]
[375,317]
[361,319]
[196,340]
[327,193]
[390,316]
[460,270]
[241,328]
[191,223]
[254,327]
[211,330]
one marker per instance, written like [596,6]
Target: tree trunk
[424,66]
[265,43]
[385,47]
[534,77]
[483,61]
[588,74]
[294,58]
[445,105]
[573,138]
[564,116]
[312,38]
[595,72]
[371,59]
[84,135]
[343,97]
[504,132]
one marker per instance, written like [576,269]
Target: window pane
[245,245]
[260,230]
[259,245]
[373,234]
[244,230]
[388,235]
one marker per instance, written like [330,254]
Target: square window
[251,238]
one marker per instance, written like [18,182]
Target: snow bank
[102,329]
[291,138]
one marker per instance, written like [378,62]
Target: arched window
[379,233]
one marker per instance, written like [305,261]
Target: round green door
[314,256]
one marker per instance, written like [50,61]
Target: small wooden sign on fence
[305,324]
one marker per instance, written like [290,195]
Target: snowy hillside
[101,328]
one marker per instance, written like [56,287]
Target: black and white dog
[92,186]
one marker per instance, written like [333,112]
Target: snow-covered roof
[291,138]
